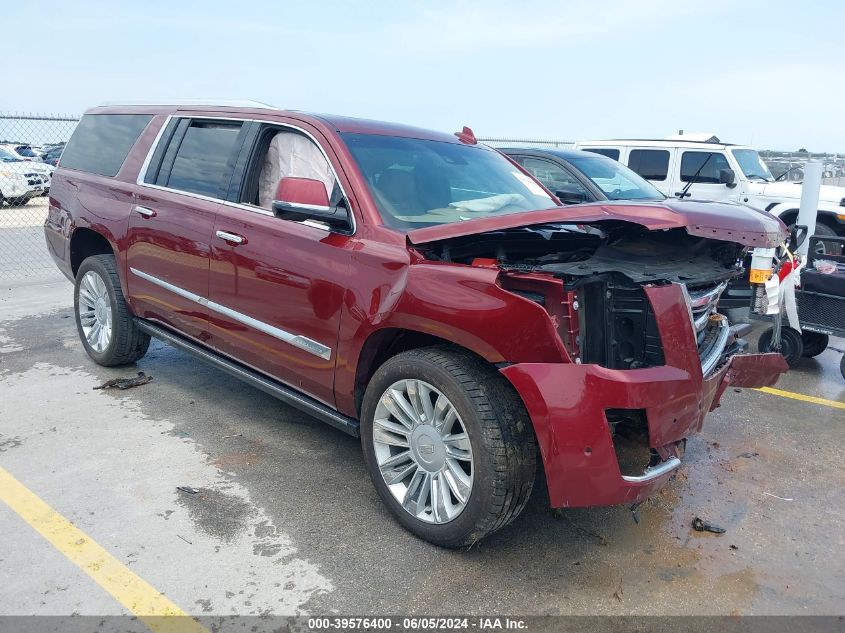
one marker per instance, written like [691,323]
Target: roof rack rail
[229,103]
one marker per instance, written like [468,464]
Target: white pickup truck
[725,172]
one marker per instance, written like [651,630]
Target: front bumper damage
[569,404]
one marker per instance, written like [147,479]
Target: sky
[766,73]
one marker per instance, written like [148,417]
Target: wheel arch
[383,344]
[85,242]
[789,214]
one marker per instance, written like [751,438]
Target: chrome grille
[702,304]
[711,329]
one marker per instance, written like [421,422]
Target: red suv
[414,288]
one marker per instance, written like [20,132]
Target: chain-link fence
[30,146]
[525,142]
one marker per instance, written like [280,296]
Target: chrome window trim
[302,205]
[252,209]
[297,340]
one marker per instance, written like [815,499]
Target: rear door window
[101,142]
[651,164]
[204,160]
[691,162]
[604,151]
[554,177]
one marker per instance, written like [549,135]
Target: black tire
[127,343]
[842,366]
[500,432]
[814,343]
[791,346]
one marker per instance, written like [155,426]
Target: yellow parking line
[138,596]
[800,396]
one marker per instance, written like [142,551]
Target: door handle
[681,194]
[145,211]
[231,238]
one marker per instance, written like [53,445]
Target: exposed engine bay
[590,279]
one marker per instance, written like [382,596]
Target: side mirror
[727,177]
[306,199]
[571,197]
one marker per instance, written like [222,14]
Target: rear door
[172,222]
[654,164]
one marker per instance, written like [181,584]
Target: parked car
[24,152]
[575,176]
[52,155]
[415,288]
[721,171]
[33,165]
[19,183]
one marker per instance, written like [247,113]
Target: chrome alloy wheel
[95,314]
[423,451]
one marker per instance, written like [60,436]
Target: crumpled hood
[792,191]
[726,221]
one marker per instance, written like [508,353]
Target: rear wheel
[791,346]
[448,444]
[103,320]
[814,343]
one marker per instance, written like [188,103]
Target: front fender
[829,210]
[457,303]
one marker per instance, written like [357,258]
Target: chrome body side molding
[302,342]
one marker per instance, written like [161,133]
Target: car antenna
[695,177]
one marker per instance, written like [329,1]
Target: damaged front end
[593,280]
[635,309]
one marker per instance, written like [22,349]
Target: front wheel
[103,320]
[448,444]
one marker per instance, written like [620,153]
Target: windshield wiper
[788,171]
[695,177]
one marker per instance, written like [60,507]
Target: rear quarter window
[101,142]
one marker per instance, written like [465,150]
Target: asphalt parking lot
[286,521]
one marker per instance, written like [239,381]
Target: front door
[277,285]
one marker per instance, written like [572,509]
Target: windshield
[418,183]
[6,157]
[615,180]
[751,164]
[25,151]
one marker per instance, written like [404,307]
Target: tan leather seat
[292,154]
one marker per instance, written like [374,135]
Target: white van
[724,172]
